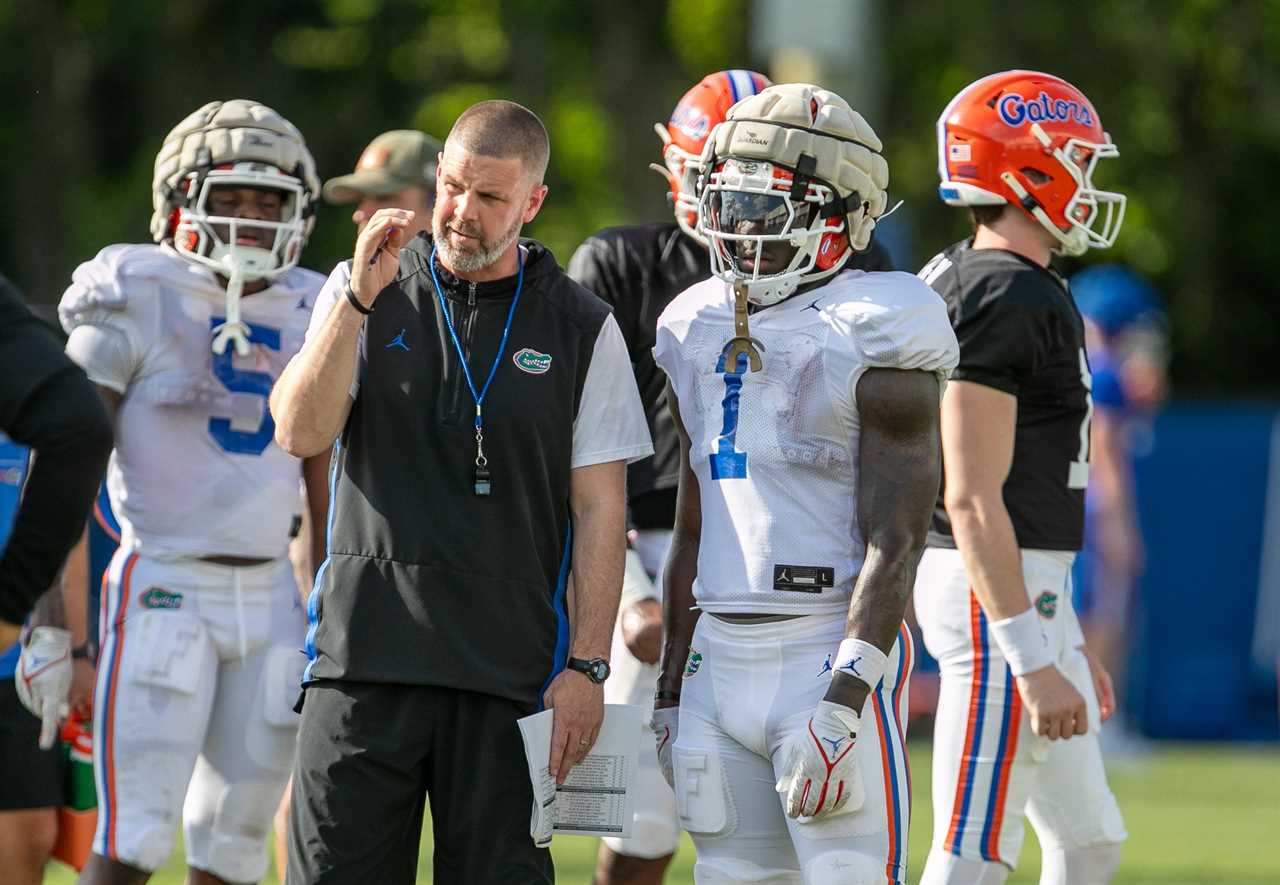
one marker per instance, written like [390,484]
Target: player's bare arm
[898,474]
[679,614]
[597,499]
[311,400]
[977,442]
[75,603]
[641,623]
[899,468]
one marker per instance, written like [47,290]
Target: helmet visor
[757,229]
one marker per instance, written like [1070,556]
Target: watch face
[599,670]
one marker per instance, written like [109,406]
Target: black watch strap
[355,302]
[82,652]
[595,669]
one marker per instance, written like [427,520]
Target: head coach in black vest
[482,411]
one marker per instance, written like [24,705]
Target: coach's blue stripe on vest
[313,598]
[561,656]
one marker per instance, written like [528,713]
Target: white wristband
[1022,642]
[860,659]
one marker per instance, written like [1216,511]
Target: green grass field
[1197,815]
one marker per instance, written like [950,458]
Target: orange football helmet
[1031,140]
[700,110]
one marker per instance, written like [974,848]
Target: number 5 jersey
[775,452]
[195,471]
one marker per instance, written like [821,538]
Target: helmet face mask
[683,170]
[214,241]
[1089,205]
[758,233]
[1034,141]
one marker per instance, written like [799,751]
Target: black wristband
[355,302]
[665,695]
[83,652]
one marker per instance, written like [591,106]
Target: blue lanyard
[482,485]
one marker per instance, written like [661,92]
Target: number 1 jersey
[1020,333]
[196,470]
[775,452]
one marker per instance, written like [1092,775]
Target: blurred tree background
[1189,90]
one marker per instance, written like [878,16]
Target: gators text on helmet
[1031,140]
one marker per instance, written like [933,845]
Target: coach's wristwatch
[596,669]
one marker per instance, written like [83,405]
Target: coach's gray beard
[472,260]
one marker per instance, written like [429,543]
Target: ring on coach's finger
[584,743]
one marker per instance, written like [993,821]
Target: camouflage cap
[395,160]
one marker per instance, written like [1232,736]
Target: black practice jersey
[639,269]
[1020,332]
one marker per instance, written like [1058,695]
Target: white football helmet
[793,182]
[236,143]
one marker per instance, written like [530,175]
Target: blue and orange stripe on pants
[985,673]
[892,748]
[105,724]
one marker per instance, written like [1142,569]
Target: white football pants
[748,689]
[193,718]
[989,768]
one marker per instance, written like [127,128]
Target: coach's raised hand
[377,257]
[312,397]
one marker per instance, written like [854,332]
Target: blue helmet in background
[1115,299]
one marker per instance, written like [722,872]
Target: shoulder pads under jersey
[103,285]
[897,321]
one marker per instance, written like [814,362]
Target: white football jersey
[775,452]
[196,470]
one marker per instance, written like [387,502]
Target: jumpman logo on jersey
[302,303]
[398,341]
[813,305]
[852,666]
[826,667]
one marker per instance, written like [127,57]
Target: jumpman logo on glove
[819,782]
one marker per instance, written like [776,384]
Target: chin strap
[233,330]
[742,342]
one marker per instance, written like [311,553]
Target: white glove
[43,679]
[665,722]
[821,777]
